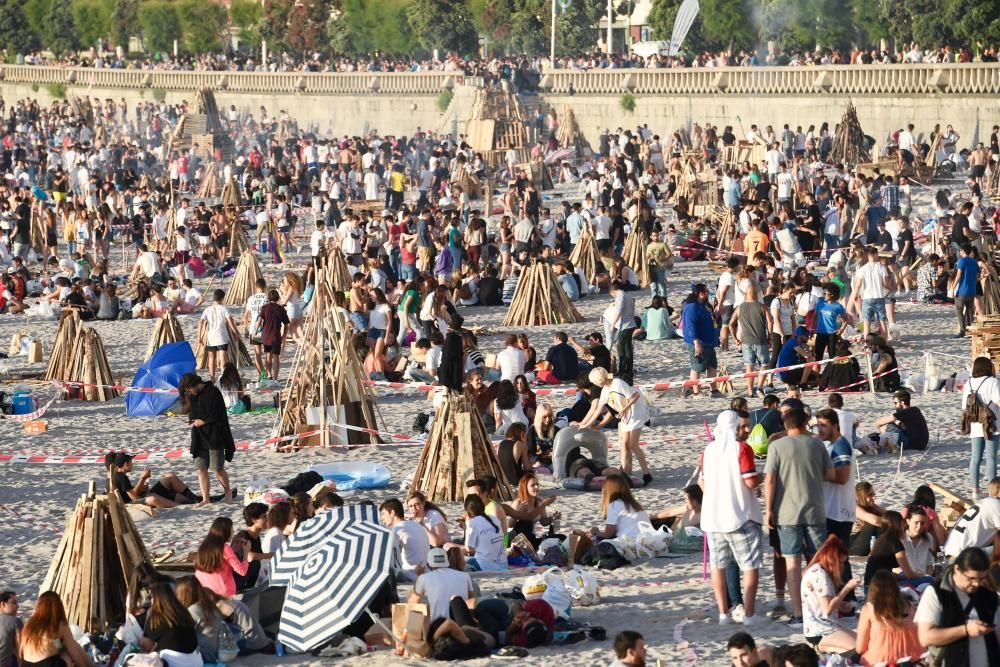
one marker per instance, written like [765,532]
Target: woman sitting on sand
[231,386]
[841,374]
[868,516]
[208,609]
[886,631]
[433,519]
[507,408]
[529,508]
[169,491]
[484,538]
[621,511]
[528,401]
[888,553]
[216,561]
[823,597]
[279,517]
[302,511]
[170,630]
[542,435]
[513,454]
[46,640]
[923,496]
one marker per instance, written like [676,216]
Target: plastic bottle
[279,649]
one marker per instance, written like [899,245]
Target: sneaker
[725,620]
[737,613]
[778,610]
[794,622]
[647,479]
[752,620]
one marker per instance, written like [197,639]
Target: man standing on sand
[214,330]
[251,323]
[10,628]
[273,331]
[211,438]
[797,465]
[700,336]
[730,512]
[966,279]
[978,160]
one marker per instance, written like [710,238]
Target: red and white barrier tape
[37,414]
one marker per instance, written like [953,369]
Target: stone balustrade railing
[951,79]
[278,83]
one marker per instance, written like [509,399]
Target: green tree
[494,20]
[867,23]
[93,20]
[202,25]
[124,22]
[529,26]
[62,36]
[245,16]
[895,16]
[930,27]
[37,12]
[273,24]
[16,35]
[576,28]
[306,27]
[727,23]
[160,24]
[975,21]
[444,25]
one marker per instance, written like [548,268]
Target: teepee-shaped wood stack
[458,449]
[586,255]
[166,330]
[97,554]
[634,254]
[327,387]
[849,146]
[338,274]
[235,353]
[90,366]
[232,204]
[540,299]
[244,280]
[62,348]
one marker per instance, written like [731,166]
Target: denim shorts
[801,540]
[708,358]
[756,355]
[375,334]
[873,310]
[360,320]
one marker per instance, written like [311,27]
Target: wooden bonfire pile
[496,124]
[166,330]
[634,254]
[89,365]
[849,141]
[244,280]
[337,274]
[458,449]
[232,206]
[211,181]
[986,337]
[62,350]
[586,256]
[540,299]
[236,352]
[97,554]
[327,387]
[568,134]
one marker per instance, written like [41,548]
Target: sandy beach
[665,599]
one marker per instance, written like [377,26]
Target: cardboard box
[36,427]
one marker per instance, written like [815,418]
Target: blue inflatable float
[350,475]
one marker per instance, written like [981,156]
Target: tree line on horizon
[353,28]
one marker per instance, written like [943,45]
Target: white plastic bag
[549,586]
[582,587]
[255,489]
[652,542]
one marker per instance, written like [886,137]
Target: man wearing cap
[440,584]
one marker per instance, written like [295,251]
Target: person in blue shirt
[966,278]
[700,335]
[793,353]
[831,320]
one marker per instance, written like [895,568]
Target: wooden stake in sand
[634,254]
[586,256]
[539,299]
[458,449]
[166,330]
[236,352]
[244,280]
[327,385]
[97,554]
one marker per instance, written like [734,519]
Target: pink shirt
[221,582]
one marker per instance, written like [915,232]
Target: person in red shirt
[273,330]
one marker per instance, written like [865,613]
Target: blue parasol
[39,193]
[163,370]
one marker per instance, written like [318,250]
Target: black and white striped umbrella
[332,566]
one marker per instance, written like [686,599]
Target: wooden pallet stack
[235,353]
[634,254]
[457,450]
[849,145]
[729,230]
[97,554]
[586,256]
[244,280]
[62,349]
[166,330]
[496,125]
[89,365]
[539,299]
[337,273]
[327,387]
[986,337]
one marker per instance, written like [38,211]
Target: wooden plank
[465,466]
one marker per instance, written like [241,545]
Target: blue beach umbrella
[39,193]
[163,371]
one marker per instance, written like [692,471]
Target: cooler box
[22,404]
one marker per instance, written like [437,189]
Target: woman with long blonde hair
[46,640]
[290,292]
